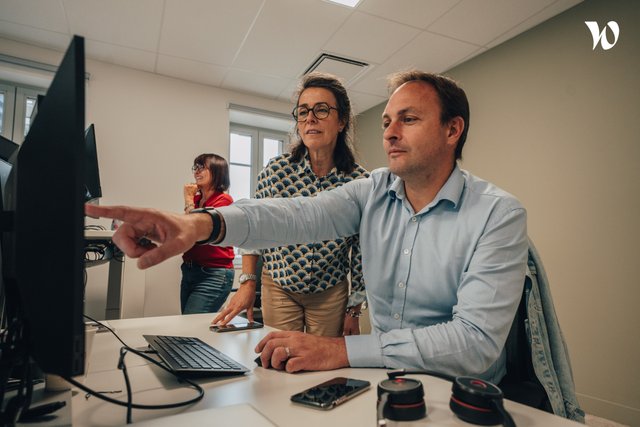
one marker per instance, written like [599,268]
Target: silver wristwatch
[244,277]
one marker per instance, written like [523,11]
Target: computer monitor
[92,180]
[43,262]
[8,150]
[36,107]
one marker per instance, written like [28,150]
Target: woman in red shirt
[207,271]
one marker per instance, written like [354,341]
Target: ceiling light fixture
[347,69]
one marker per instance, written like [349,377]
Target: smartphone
[230,327]
[331,393]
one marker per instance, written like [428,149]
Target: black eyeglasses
[197,168]
[321,110]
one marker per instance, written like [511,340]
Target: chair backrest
[548,383]
[521,383]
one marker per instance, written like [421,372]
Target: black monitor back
[92,180]
[8,150]
[49,222]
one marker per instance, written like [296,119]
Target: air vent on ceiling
[347,69]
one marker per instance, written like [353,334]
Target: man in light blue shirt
[444,252]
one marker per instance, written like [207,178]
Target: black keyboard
[189,355]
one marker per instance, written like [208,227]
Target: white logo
[601,37]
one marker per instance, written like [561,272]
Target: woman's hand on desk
[153,236]
[297,351]
[243,299]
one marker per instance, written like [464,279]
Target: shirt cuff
[356,297]
[250,251]
[364,351]
[236,226]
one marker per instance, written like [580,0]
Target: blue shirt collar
[451,190]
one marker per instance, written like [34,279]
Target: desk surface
[266,390]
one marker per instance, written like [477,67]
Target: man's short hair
[453,99]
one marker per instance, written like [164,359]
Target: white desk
[266,390]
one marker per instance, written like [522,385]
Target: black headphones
[473,400]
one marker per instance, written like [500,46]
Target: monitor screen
[43,264]
[92,180]
[7,148]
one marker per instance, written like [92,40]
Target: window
[16,107]
[250,149]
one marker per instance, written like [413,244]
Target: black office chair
[521,383]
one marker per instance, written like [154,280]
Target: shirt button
[414,219]
[406,251]
[401,285]
[396,316]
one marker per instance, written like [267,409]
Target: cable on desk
[121,365]
[97,322]
[95,227]
[95,251]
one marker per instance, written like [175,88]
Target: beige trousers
[317,314]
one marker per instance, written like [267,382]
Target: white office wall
[556,124]
[149,128]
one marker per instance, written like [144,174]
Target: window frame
[258,135]
[8,109]
[14,109]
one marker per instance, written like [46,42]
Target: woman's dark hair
[453,99]
[219,169]
[343,156]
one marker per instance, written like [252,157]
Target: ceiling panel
[287,93]
[498,17]
[187,69]
[36,36]
[545,14]
[361,102]
[288,35]
[124,56]
[205,30]
[134,24]
[429,52]
[246,81]
[35,13]
[417,13]
[369,38]
[264,46]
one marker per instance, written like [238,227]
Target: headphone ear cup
[472,401]
[405,399]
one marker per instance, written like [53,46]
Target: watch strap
[245,277]
[217,224]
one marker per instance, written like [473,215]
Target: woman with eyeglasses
[207,271]
[306,287]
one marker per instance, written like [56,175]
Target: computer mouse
[258,361]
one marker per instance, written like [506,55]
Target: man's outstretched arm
[151,235]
